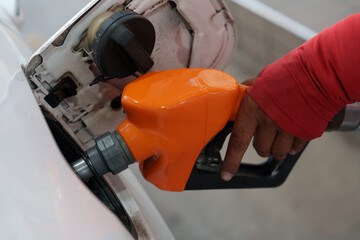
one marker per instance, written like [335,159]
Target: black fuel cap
[123,45]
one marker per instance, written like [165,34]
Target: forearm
[303,90]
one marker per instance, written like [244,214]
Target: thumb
[249,82]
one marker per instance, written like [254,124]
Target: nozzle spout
[110,154]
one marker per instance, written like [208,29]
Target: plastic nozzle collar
[110,154]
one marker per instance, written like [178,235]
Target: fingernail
[226,176]
[292,152]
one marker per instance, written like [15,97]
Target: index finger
[244,129]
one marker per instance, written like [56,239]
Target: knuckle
[279,155]
[250,105]
[298,145]
[268,122]
[263,152]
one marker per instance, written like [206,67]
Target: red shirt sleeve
[302,91]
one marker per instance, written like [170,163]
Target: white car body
[41,196]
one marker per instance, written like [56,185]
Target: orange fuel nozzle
[172,115]
[175,119]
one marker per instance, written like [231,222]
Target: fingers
[269,138]
[282,145]
[264,138]
[297,145]
[244,129]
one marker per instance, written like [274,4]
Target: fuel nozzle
[177,122]
[170,117]
[110,154]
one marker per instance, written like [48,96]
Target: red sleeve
[303,90]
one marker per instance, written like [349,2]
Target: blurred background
[320,198]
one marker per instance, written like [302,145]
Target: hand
[269,138]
